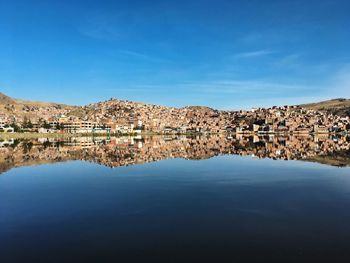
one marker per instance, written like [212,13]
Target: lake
[175,199]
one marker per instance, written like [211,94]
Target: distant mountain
[6,99]
[339,106]
[31,109]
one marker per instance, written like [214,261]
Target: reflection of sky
[224,54]
[78,178]
[225,203]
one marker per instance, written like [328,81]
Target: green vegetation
[46,125]
[27,124]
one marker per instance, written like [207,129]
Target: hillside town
[119,117]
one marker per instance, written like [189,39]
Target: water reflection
[226,209]
[122,151]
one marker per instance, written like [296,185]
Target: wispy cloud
[253,54]
[142,56]
[99,27]
[292,61]
[240,86]
[259,92]
[104,25]
[340,83]
[227,94]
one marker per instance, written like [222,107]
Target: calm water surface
[226,208]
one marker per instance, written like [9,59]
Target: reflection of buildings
[291,148]
[121,151]
[6,143]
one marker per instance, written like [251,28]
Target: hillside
[339,106]
[6,99]
[124,116]
[120,112]
[30,109]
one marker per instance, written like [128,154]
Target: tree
[15,127]
[24,123]
[27,123]
[46,125]
[59,126]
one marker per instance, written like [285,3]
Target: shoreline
[32,135]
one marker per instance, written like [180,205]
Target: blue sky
[224,54]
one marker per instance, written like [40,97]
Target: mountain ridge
[337,105]
[4,99]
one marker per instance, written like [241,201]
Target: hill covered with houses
[123,116]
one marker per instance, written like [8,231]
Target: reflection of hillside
[128,151]
[339,158]
[27,153]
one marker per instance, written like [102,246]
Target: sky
[222,53]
